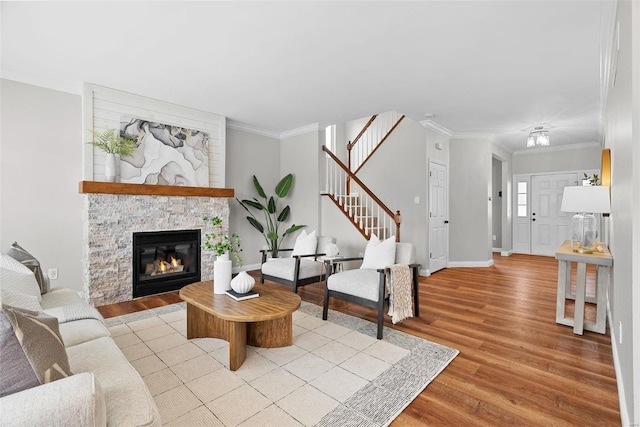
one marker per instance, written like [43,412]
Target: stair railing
[372,135]
[365,210]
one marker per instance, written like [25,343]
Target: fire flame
[174,262]
[163,267]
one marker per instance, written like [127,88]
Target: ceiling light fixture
[538,137]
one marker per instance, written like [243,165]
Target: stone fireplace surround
[109,221]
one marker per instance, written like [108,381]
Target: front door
[438,220]
[549,226]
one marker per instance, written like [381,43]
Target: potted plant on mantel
[223,245]
[114,146]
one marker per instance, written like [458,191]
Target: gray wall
[397,173]
[248,154]
[623,138]
[300,155]
[470,208]
[41,159]
[531,162]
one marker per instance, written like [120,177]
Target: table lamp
[585,200]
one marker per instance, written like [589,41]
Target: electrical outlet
[52,273]
[416,200]
[494,237]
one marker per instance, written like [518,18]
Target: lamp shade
[593,199]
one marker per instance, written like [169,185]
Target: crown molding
[314,127]
[538,150]
[68,86]
[471,135]
[430,124]
[244,127]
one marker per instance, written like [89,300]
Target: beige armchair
[366,286]
[297,270]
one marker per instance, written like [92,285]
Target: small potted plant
[222,245]
[114,146]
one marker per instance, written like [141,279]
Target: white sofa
[104,388]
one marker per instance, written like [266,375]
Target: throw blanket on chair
[400,306]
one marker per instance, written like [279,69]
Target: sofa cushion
[32,351]
[19,253]
[79,331]
[363,283]
[128,400]
[284,268]
[58,297]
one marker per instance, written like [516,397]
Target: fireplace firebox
[165,261]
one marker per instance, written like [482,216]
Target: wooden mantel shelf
[152,190]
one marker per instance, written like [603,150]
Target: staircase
[358,203]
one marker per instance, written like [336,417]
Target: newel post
[398,219]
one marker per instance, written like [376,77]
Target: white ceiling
[482,67]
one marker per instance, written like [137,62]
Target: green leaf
[284,214]
[271,207]
[292,229]
[272,235]
[283,187]
[254,204]
[259,189]
[256,224]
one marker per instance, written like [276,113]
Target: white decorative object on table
[110,171]
[242,283]
[222,274]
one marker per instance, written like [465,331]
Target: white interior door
[438,217]
[549,226]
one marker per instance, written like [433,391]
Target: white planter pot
[242,283]
[222,274]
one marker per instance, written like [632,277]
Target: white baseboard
[496,250]
[624,413]
[506,253]
[424,272]
[456,264]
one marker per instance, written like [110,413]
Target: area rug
[335,374]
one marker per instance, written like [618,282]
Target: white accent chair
[367,286]
[297,270]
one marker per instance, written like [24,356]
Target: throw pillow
[20,301]
[305,244]
[379,254]
[19,253]
[20,281]
[33,351]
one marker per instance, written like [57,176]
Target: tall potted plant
[273,216]
[114,146]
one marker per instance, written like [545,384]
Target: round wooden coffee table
[265,321]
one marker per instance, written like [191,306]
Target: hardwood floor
[516,365]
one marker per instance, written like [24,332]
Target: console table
[603,261]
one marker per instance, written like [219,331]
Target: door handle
[533,219]
[446,221]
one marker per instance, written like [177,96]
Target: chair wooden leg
[416,301]
[325,305]
[380,320]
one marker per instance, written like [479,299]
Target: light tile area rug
[336,373]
